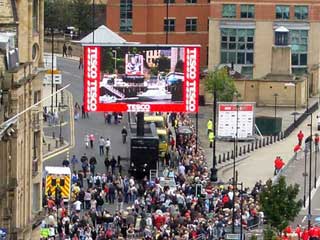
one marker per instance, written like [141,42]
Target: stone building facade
[243,32]
[21,55]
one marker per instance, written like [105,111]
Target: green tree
[58,14]
[82,16]
[279,204]
[222,82]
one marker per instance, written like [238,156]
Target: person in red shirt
[305,235]
[316,142]
[278,165]
[298,231]
[300,137]
[296,149]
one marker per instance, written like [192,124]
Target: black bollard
[260,143]
[271,139]
[219,158]
[240,151]
[278,136]
[232,154]
[267,141]
[224,157]
[252,146]
[57,143]
[257,144]
[228,156]
[249,148]
[263,142]
[49,147]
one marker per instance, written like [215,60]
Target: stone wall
[58,44]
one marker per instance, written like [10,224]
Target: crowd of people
[108,205]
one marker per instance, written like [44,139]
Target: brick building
[161,21]
[21,50]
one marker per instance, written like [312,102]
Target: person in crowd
[80,62]
[107,146]
[64,50]
[69,51]
[91,139]
[101,146]
[74,162]
[278,165]
[209,126]
[147,209]
[300,137]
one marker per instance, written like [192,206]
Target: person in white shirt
[101,145]
[108,146]
[77,205]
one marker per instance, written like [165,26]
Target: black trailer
[144,153]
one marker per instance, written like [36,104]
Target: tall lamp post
[294,84]
[310,169]
[235,150]
[214,170]
[115,60]
[52,52]
[305,176]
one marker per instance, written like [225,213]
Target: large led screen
[141,78]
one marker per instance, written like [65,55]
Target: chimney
[281,52]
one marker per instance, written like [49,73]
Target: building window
[299,48]
[35,14]
[247,11]
[229,11]
[282,12]
[237,46]
[191,1]
[169,1]
[301,12]
[126,16]
[191,25]
[169,25]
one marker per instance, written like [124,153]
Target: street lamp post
[235,149]
[294,84]
[310,169]
[305,176]
[115,60]
[214,170]
[52,52]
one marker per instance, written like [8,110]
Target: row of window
[237,46]
[170,25]
[248,11]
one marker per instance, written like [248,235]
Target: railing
[300,119]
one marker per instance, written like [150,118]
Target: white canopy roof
[103,35]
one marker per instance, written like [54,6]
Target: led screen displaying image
[141,78]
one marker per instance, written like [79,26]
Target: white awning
[103,35]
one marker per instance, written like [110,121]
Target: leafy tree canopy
[278,202]
[221,81]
